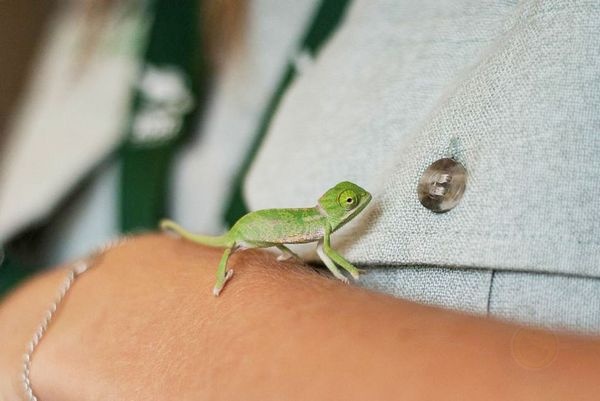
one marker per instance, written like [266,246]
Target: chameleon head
[342,203]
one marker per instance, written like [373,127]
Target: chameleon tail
[219,241]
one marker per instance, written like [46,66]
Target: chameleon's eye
[348,199]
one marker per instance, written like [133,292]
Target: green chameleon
[276,227]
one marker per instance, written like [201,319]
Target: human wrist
[154,293]
[143,324]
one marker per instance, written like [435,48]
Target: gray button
[442,185]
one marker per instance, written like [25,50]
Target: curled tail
[219,241]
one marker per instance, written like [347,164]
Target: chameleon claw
[284,258]
[287,254]
[355,276]
[342,278]
[228,275]
[218,288]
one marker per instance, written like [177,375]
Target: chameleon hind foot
[287,253]
[223,273]
[342,278]
[330,265]
[219,286]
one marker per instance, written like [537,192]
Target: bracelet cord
[77,269]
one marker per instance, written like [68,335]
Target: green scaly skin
[276,227]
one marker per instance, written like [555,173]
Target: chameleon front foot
[342,278]
[219,285]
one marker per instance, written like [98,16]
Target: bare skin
[140,327]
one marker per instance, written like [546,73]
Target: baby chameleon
[276,227]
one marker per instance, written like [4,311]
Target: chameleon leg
[222,273]
[287,253]
[329,263]
[339,259]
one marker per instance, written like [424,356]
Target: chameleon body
[277,227]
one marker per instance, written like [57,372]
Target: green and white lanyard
[164,104]
[324,23]
[164,101]
[148,153]
[166,98]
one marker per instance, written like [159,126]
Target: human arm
[143,325]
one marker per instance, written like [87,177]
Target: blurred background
[115,113]
[22,24]
[22,27]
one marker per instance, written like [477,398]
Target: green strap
[163,104]
[12,273]
[327,18]
[165,99]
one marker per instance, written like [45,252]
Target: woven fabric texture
[511,90]
[540,299]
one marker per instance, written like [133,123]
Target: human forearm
[144,325]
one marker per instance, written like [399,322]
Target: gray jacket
[512,92]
